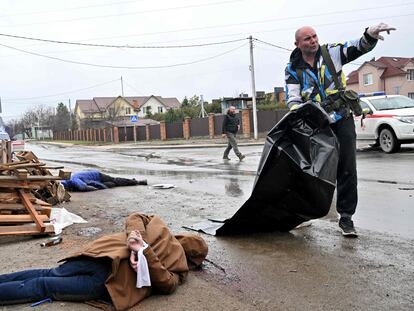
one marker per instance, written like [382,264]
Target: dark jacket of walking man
[309,77]
[231,125]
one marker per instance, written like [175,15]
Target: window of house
[368,79]
[146,110]
[411,95]
[127,110]
[410,74]
[160,110]
[396,90]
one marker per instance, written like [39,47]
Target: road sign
[134,118]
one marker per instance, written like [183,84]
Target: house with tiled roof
[392,75]
[98,111]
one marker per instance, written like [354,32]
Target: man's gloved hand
[374,31]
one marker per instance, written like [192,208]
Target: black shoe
[347,227]
[241,157]
[226,158]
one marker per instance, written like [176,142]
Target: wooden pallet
[25,186]
[22,214]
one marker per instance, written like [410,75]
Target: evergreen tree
[62,118]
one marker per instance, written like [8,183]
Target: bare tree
[40,116]
[113,112]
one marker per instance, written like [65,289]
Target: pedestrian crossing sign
[134,118]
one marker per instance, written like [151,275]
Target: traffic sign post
[134,119]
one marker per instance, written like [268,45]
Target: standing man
[315,73]
[231,125]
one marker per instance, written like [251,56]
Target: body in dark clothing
[231,123]
[91,180]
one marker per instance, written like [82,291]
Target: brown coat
[165,255]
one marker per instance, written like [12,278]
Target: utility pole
[122,87]
[70,116]
[253,89]
[0,106]
[202,111]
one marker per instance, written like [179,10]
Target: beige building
[95,112]
[392,75]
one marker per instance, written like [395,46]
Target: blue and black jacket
[317,82]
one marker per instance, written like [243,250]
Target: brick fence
[201,127]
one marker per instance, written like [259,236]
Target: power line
[274,45]
[290,50]
[123,67]
[132,87]
[339,23]
[70,9]
[63,93]
[126,14]
[256,32]
[261,31]
[122,46]
[237,24]
[210,27]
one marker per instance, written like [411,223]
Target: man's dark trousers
[231,144]
[346,179]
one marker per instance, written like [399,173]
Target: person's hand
[374,31]
[90,188]
[223,135]
[135,241]
[133,260]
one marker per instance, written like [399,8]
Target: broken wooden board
[25,230]
[14,219]
[35,216]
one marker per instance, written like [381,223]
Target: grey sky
[173,22]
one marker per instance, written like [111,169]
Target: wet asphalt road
[311,268]
[385,181]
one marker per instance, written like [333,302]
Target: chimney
[135,104]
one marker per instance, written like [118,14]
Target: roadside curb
[183,146]
[150,146]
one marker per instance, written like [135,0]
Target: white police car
[388,120]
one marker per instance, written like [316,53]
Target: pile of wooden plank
[53,192]
[22,182]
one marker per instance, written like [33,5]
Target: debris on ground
[27,192]
[163,186]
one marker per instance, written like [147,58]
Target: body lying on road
[118,270]
[91,180]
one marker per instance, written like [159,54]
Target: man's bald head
[305,29]
[306,40]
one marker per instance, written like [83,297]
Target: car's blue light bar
[371,94]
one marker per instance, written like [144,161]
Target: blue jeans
[80,279]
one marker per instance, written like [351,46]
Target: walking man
[231,125]
[315,73]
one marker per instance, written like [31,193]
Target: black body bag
[296,177]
